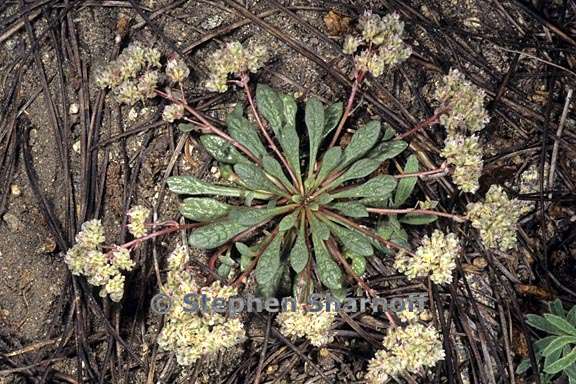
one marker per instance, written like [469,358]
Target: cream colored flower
[138,215]
[435,257]
[465,103]
[233,58]
[496,218]
[315,326]
[465,153]
[173,112]
[176,70]
[188,334]
[410,349]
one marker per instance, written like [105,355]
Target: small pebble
[12,221]
[76,146]
[15,190]
[74,109]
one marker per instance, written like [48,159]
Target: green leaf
[190,185]
[570,371]
[391,230]
[351,240]
[270,288]
[377,202]
[556,308]
[389,132]
[242,130]
[362,141]
[560,323]
[222,150]
[412,219]
[378,186]
[319,228]
[185,127]
[406,185]
[270,106]
[269,262]
[288,221]
[328,271]
[253,216]
[246,255]
[330,161]
[551,358]
[562,363]
[314,118]
[543,324]
[359,169]
[524,366]
[299,254]
[358,262]
[541,344]
[288,136]
[333,114]
[388,150]
[351,209]
[273,167]
[203,209]
[256,179]
[214,235]
[558,343]
[571,316]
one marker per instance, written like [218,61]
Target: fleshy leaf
[222,150]
[273,168]
[214,235]
[270,106]
[328,270]
[288,137]
[288,221]
[253,216]
[185,127]
[351,240]
[314,117]
[543,324]
[412,219]
[562,363]
[406,184]
[319,228]
[359,169]
[269,262]
[558,343]
[299,254]
[561,324]
[362,141]
[378,186]
[254,178]
[388,150]
[190,185]
[330,161]
[333,114]
[358,262]
[351,209]
[203,209]
[241,129]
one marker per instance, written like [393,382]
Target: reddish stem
[171,228]
[209,125]
[358,79]
[434,119]
[442,170]
[428,212]
[367,232]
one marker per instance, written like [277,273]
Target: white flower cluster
[435,257]
[382,37]
[315,326]
[465,102]
[86,258]
[193,335]
[138,215]
[406,350]
[173,112]
[177,71]
[465,115]
[465,153]
[496,218]
[132,76]
[233,58]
